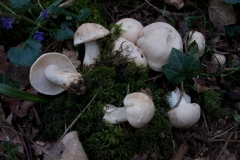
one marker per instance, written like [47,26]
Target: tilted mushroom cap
[89,32]
[198,38]
[176,3]
[184,116]
[130,51]
[37,76]
[132,29]
[157,41]
[140,109]
[218,58]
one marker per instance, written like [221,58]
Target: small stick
[180,96]
[79,115]
[23,142]
[224,147]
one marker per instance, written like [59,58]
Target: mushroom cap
[89,32]
[198,38]
[37,71]
[184,116]
[157,41]
[140,109]
[176,3]
[218,58]
[130,51]
[174,97]
[132,29]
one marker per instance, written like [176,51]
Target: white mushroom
[157,41]
[138,110]
[186,114]
[130,51]
[218,58]
[131,29]
[52,73]
[198,38]
[88,33]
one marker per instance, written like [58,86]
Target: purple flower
[7,22]
[38,36]
[44,14]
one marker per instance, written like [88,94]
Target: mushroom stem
[92,53]
[71,81]
[115,115]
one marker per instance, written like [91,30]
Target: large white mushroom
[52,73]
[157,41]
[131,29]
[186,114]
[130,51]
[89,33]
[138,110]
[198,37]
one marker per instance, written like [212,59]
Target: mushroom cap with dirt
[131,29]
[138,110]
[185,114]
[89,33]
[52,73]
[157,41]
[198,37]
[130,51]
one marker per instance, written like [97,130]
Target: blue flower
[44,14]
[7,22]
[38,36]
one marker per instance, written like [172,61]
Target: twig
[224,147]
[180,96]
[79,115]
[23,142]
[205,122]
[159,10]
[154,78]
[138,7]
[223,132]
[38,121]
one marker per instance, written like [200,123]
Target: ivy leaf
[236,117]
[193,48]
[181,66]
[19,3]
[25,55]
[231,1]
[64,32]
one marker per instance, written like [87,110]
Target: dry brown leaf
[176,3]
[221,14]
[72,55]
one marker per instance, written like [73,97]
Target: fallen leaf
[221,14]
[4,63]
[73,56]
[176,3]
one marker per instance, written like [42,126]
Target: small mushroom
[131,29]
[138,110]
[88,33]
[130,51]
[218,58]
[176,3]
[198,38]
[157,41]
[52,73]
[186,114]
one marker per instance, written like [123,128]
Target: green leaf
[26,55]
[193,48]
[64,32]
[19,3]
[232,30]
[82,17]
[181,66]
[236,117]
[5,79]
[16,93]
[231,1]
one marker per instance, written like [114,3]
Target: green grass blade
[16,93]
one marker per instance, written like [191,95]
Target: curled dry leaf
[72,55]
[221,14]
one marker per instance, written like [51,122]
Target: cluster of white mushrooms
[149,46]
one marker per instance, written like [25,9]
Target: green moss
[211,100]
[97,14]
